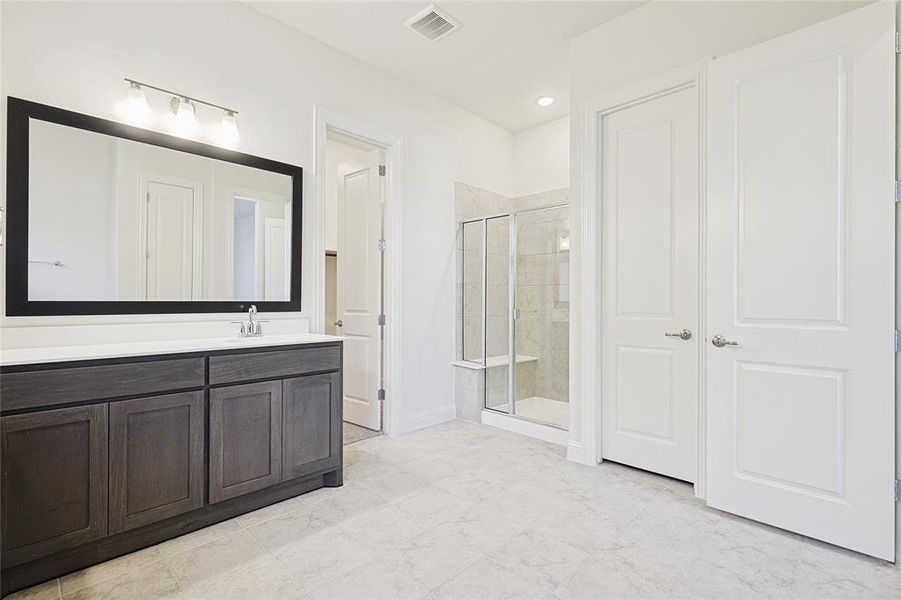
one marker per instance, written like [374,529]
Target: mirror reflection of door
[276,280]
[245,249]
[260,242]
[172,241]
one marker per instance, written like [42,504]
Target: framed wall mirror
[106,218]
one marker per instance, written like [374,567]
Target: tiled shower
[513,252]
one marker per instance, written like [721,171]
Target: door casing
[393,148]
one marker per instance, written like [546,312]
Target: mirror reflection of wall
[160,224]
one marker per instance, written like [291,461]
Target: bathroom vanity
[111,448]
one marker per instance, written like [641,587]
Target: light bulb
[185,122]
[135,109]
[227,132]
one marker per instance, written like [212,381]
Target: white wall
[74,55]
[541,158]
[645,42]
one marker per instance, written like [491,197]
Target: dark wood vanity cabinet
[245,438]
[306,401]
[54,481]
[105,457]
[264,433]
[155,458]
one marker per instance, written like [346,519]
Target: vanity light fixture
[544,101]
[227,132]
[185,120]
[135,109]
[184,110]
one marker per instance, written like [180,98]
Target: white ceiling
[506,54]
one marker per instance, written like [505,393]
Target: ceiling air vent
[432,23]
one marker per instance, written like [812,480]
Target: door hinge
[381,395]
[898,490]
[898,191]
[381,320]
[897,341]
[382,245]
[898,42]
[382,170]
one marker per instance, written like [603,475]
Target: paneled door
[55,481]
[172,250]
[245,439]
[801,281]
[156,459]
[359,292]
[311,432]
[650,253]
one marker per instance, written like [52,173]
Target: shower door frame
[512,311]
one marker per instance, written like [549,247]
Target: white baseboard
[424,419]
[574,451]
[523,427]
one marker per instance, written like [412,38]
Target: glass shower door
[542,315]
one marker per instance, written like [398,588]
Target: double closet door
[794,366]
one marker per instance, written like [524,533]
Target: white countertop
[25,356]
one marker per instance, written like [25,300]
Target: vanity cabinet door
[54,481]
[311,434]
[245,438]
[156,459]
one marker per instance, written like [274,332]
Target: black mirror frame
[19,112]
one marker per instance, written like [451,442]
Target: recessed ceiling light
[544,101]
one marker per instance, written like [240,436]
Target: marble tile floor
[466,511]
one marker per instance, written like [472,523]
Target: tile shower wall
[543,296]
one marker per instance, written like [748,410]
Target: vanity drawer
[49,387]
[269,365]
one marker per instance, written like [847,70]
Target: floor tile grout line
[181,587]
[215,539]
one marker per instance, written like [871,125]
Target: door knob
[339,323]
[719,341]
[685,334]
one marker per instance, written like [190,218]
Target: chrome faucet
[251,328]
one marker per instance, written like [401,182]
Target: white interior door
[359,287]
[650,284]
[172,231]
[801,277]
